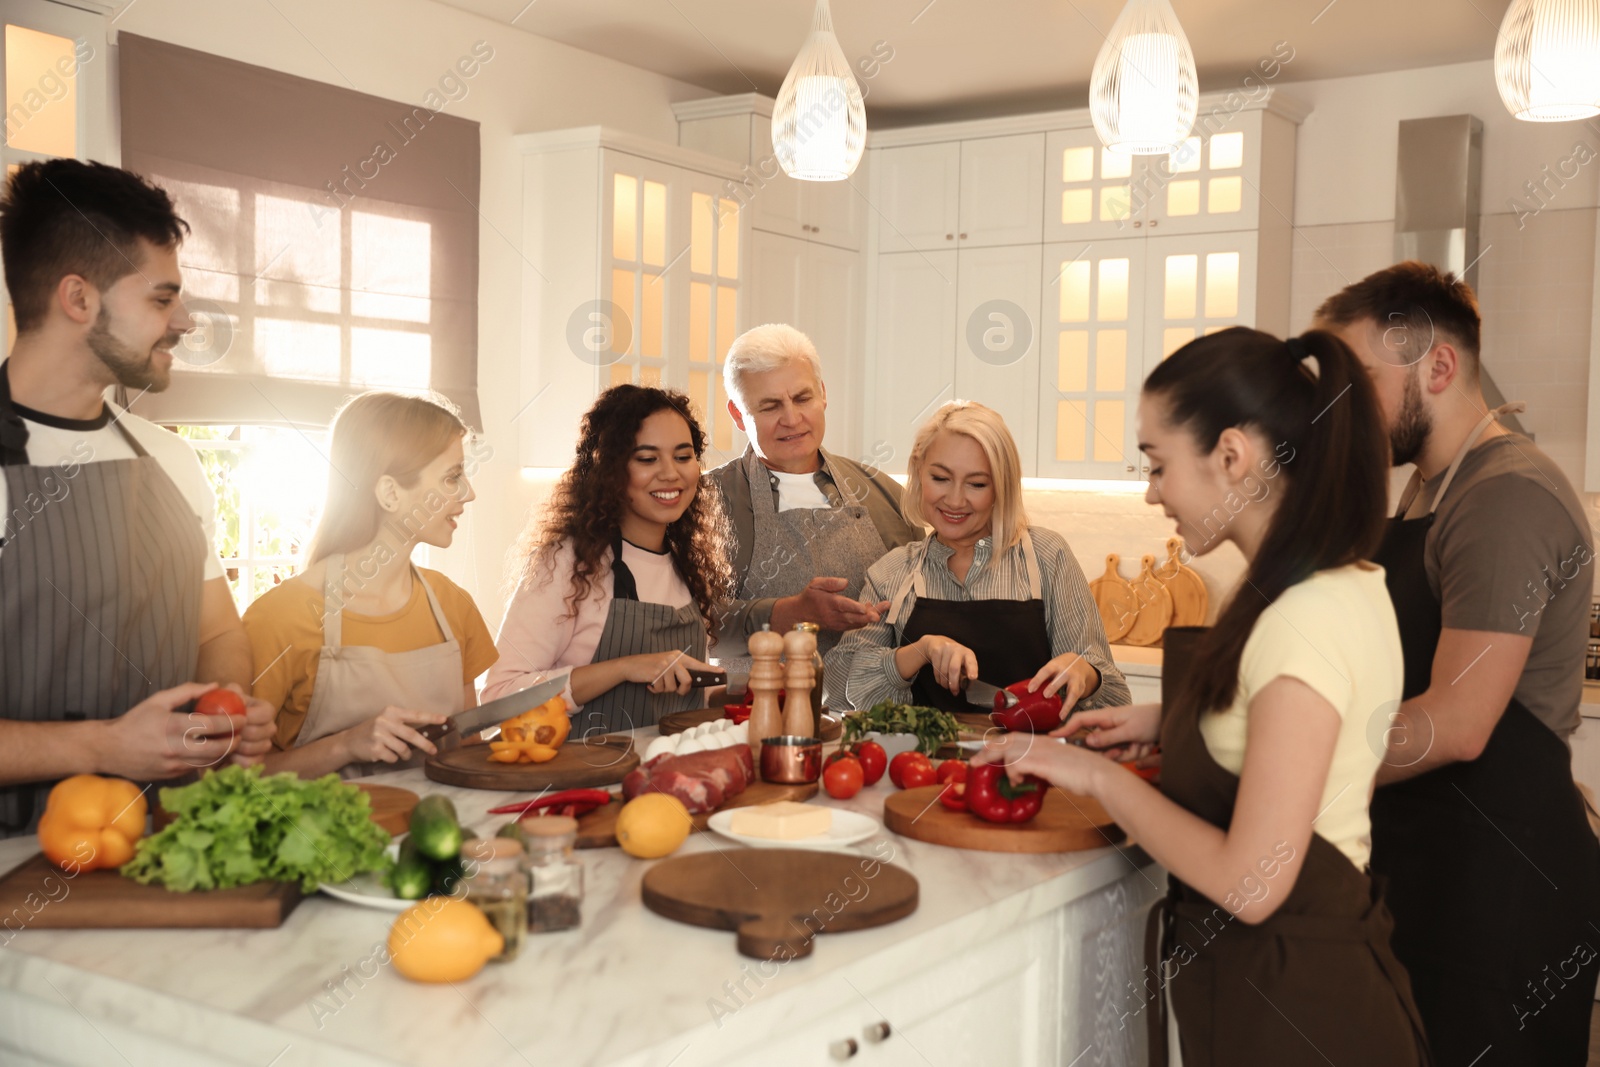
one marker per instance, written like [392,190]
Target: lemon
[442,939]
[652,826]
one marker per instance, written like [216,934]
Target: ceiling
[973,58]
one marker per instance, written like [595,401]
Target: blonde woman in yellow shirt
[362,647]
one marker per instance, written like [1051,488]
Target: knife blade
[474,720]
[983,694]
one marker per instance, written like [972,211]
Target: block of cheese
[784,821]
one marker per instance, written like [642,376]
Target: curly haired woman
[616,586]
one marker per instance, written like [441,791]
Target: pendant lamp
[819,125]
[1143,93]
[1547,59]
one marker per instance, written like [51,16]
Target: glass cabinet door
[1091,358]
[1197,285]
[1212,183]
[1089,189]
[634,278]
[712,268]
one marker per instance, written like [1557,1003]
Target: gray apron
[99,593]
[356,682]
[792,547]
[634,627]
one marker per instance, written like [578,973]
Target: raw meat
[702,780]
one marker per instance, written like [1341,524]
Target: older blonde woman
[986,596]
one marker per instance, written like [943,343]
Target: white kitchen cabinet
[1002,179]
[633,255]
[817,289]
[997,340]
[918,195]
[915,344]
[1088,189]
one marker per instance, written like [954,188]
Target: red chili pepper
[593,797]
[992,797]
[1034,713]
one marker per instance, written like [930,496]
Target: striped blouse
[865,657]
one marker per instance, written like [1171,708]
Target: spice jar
[554,875]
[497,886]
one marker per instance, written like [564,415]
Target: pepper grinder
[800,675]
[766,678]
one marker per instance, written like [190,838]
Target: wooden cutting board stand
[1066,823]
[598,829]
[584,763]
[779,899]
[40,897]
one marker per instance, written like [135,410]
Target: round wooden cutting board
[1114,596]
[1066,823]
[779,899]
[1155,606]
[580,764]
[676,722]
[391,806]
[1188,590]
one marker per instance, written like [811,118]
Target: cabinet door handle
[1137,224]
[963,237]
[805,227]
[949,237]
[877,1032]
[816,229]
[1154,223]
[1130,468]
[843,1050]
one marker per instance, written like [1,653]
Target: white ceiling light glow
[1547,60]
[1143,93]
[819,124]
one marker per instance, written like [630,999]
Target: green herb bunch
[932,726]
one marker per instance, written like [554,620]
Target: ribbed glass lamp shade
[819,124]
[1547,60]
[1143,93]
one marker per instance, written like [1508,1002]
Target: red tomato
[873,759]
[219,702]
[952,770]
[898,765]
[843,778]
[918,773]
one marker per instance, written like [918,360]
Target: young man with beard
[1493,872]
[113,605]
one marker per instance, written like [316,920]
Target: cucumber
[446,877]
[435,828]
[412,876]
[514,831]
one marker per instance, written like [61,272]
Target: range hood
[1436,194]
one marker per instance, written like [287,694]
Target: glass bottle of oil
[497,886]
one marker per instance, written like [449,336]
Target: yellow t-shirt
[1336,632]
[285,629]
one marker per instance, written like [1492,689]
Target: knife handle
[706,679]
[436,731]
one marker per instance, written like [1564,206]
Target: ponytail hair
[1326,431]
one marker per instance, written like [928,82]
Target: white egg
[660,746]
[701,730]
[741,733]
[690,744]
[722,739]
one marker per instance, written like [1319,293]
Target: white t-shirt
[1336,632]
[69,444]
[799,491]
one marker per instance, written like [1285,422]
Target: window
[270,482]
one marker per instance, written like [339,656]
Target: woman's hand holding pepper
[1123,733]
[1068,674]
[1067,766]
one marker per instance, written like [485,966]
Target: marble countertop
[628,988]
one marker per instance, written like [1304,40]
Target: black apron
[1493,872]
[634,626]
[1315,983]
[100,585]
[1009,638]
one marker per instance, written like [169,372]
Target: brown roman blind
[334,245]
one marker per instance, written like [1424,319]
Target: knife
[984,695]
[464,724]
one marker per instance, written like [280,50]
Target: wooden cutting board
[391,806]
[598,829]
[38,896]
[1155,606]
[676,722]
[1066,823]
[1114,596]
[585,763]
[778,899]
[1187,589]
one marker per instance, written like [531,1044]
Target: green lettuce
[236,826]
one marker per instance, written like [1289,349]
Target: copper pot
[791,760]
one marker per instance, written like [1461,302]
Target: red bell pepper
[954,795]
[1033,713]
[992,797]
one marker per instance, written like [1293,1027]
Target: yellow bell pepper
[91,822]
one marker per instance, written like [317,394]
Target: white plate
[367,889]
[848,828]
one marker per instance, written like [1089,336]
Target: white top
[67,444]
[540,639]
[1336,632]
[799,491]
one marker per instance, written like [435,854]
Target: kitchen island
[1008,959]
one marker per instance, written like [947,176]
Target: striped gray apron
[99,596]
[633,627]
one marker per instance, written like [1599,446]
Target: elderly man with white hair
[806,523]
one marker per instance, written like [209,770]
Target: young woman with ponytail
[1272,942]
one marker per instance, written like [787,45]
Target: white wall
[398,49]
